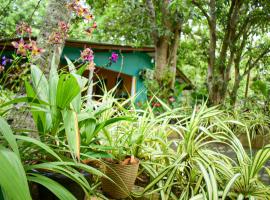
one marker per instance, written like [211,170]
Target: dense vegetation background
[222,46]
[209,143]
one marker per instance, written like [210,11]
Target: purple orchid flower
[114,57]
[5,61]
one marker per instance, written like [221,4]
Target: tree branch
[202,10]
[152,13]
[266,51]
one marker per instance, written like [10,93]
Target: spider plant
[179,174]
[249,185]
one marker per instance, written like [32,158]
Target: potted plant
[122,176]
[130,143]
[122,166]
[257,126]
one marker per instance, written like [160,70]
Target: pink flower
[63,26]
[23,28]
[88,16]
[87,55]
[91,29]
[171,99]
[56,38]
[81,11]
[21,47]
[60,34]
[91,66]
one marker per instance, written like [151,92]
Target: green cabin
[133,66]
[126,72]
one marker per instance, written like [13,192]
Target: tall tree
[228,23]
[57,12]
[143,22]
[166,25]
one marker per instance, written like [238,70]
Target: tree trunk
[216,90]
[166,59]
[218,74]
[247,84]
[173,55]
[161,56]
[166,46]
[56,11]
[234,92]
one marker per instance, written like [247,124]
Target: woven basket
[123,176]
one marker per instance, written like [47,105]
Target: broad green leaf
[67,171]
[6,131]
[53,83]
[67,89]
[39,144]
[59,191]
[12,176]
[89,128]
[38,116]
[71,66]
[70,120]
[40,83]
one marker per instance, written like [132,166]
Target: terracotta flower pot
[123,177]
[258,142]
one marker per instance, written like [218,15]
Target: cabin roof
[94,45]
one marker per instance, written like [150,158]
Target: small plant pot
[123,177]
[258,142]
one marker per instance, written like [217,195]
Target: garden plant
[188,121]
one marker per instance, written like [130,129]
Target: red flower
[156,104]
[94,25]
[89,30]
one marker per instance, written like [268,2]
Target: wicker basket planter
[123,177]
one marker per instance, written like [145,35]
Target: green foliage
[261,87]
[13,12]
[20,172]
[12,169]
